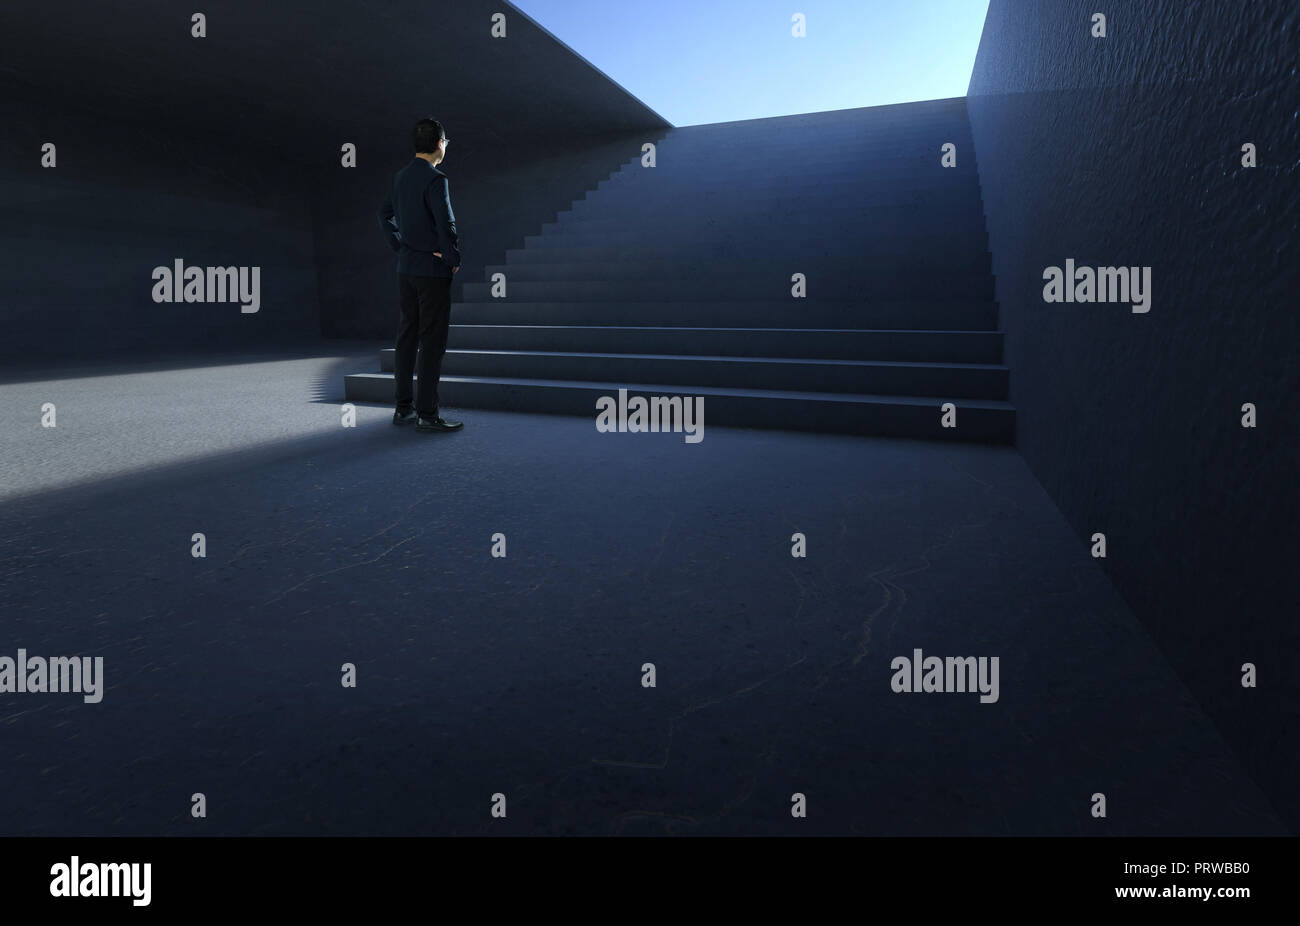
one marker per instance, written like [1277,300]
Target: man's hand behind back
[453,269]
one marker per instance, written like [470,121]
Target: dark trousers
[425,314]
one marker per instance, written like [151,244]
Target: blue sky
[699,61]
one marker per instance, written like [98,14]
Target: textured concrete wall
[81,239]
[1126,150]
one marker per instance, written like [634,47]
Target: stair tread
[731,358]
[848,398]
[732,329]
[745,303]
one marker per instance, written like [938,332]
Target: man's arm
[387,223]
[438,198]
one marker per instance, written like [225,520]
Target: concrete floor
[522,675]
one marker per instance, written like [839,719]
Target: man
[418,222]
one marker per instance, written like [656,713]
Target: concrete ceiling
[282,70]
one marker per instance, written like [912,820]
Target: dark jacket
[417,220]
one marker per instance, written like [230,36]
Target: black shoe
[401,417]
[438,424]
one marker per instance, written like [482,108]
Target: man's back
[419,204]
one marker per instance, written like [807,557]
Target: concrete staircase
[676,280]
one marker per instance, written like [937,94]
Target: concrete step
[828,344]
[802,199]
[921,169]
[702,224]
[769,285]
[698,224]
[687,268]
[787,202]
[951,380]
[941,245]
[704,238]
[912,314]
[886,416]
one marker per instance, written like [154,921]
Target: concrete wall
[81,239]
[1126,150]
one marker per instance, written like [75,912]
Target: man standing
[418,222]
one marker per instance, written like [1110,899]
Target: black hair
[428,132]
